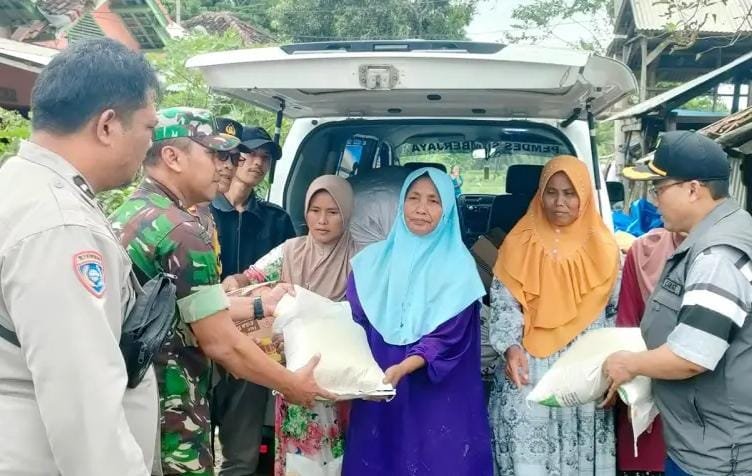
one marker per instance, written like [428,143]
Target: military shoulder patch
[89,269]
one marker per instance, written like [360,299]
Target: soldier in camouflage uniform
[160,234]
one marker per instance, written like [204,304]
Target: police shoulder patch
[89,269]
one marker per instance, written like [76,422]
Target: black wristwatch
[258,308]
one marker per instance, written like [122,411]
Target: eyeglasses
[656,191]
[233,156]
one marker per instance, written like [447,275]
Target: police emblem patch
[90,271]
[230,129]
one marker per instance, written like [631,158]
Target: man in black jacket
[248,228]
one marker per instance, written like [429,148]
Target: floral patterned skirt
[309,442]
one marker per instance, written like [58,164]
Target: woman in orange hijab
[555,279]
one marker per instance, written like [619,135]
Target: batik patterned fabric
[533,439]
[161,235]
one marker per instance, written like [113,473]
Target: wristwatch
[258,308]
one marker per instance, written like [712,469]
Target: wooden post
[670,122]
[643,68]
[737,96]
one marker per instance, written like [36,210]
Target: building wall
[15,87]
[113,27]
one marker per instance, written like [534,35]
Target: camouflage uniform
[206,219]
[160,234]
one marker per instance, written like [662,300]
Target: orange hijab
[561,276]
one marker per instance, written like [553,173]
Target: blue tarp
[643,217]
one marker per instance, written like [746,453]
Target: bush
[182,87]
[13,129]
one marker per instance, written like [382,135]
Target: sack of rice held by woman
[577,377]
[312,324]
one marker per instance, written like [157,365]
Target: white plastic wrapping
[577,377]
[312,324]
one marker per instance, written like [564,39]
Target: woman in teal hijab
[417,294]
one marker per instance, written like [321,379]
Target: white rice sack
[577,377]
[312,324]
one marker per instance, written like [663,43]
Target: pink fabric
[650,254]
[650,445]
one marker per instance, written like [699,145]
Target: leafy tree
[538,19]
[184,87]
[683,21]
[255,12]
[705,104]
[181,87]
[318,20]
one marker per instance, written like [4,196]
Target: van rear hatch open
[418,79]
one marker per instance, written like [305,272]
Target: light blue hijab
[409,285]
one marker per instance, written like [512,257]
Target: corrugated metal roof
[672,94]
[727,16]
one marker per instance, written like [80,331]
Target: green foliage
[604,139]
[705,104]
[184,87]
[319,20]
[13,128]
[112,199]
[255,12]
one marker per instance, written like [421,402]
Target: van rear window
[482,164]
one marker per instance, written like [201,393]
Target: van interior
[500,162]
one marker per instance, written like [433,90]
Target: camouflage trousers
[184,381]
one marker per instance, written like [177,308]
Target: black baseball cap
[683,155]
[229,126]
[255,138]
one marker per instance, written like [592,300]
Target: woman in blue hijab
[416,295]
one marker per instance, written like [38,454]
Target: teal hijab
[409,285]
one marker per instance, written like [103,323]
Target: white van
[499,112]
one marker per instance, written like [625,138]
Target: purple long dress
[437,424]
